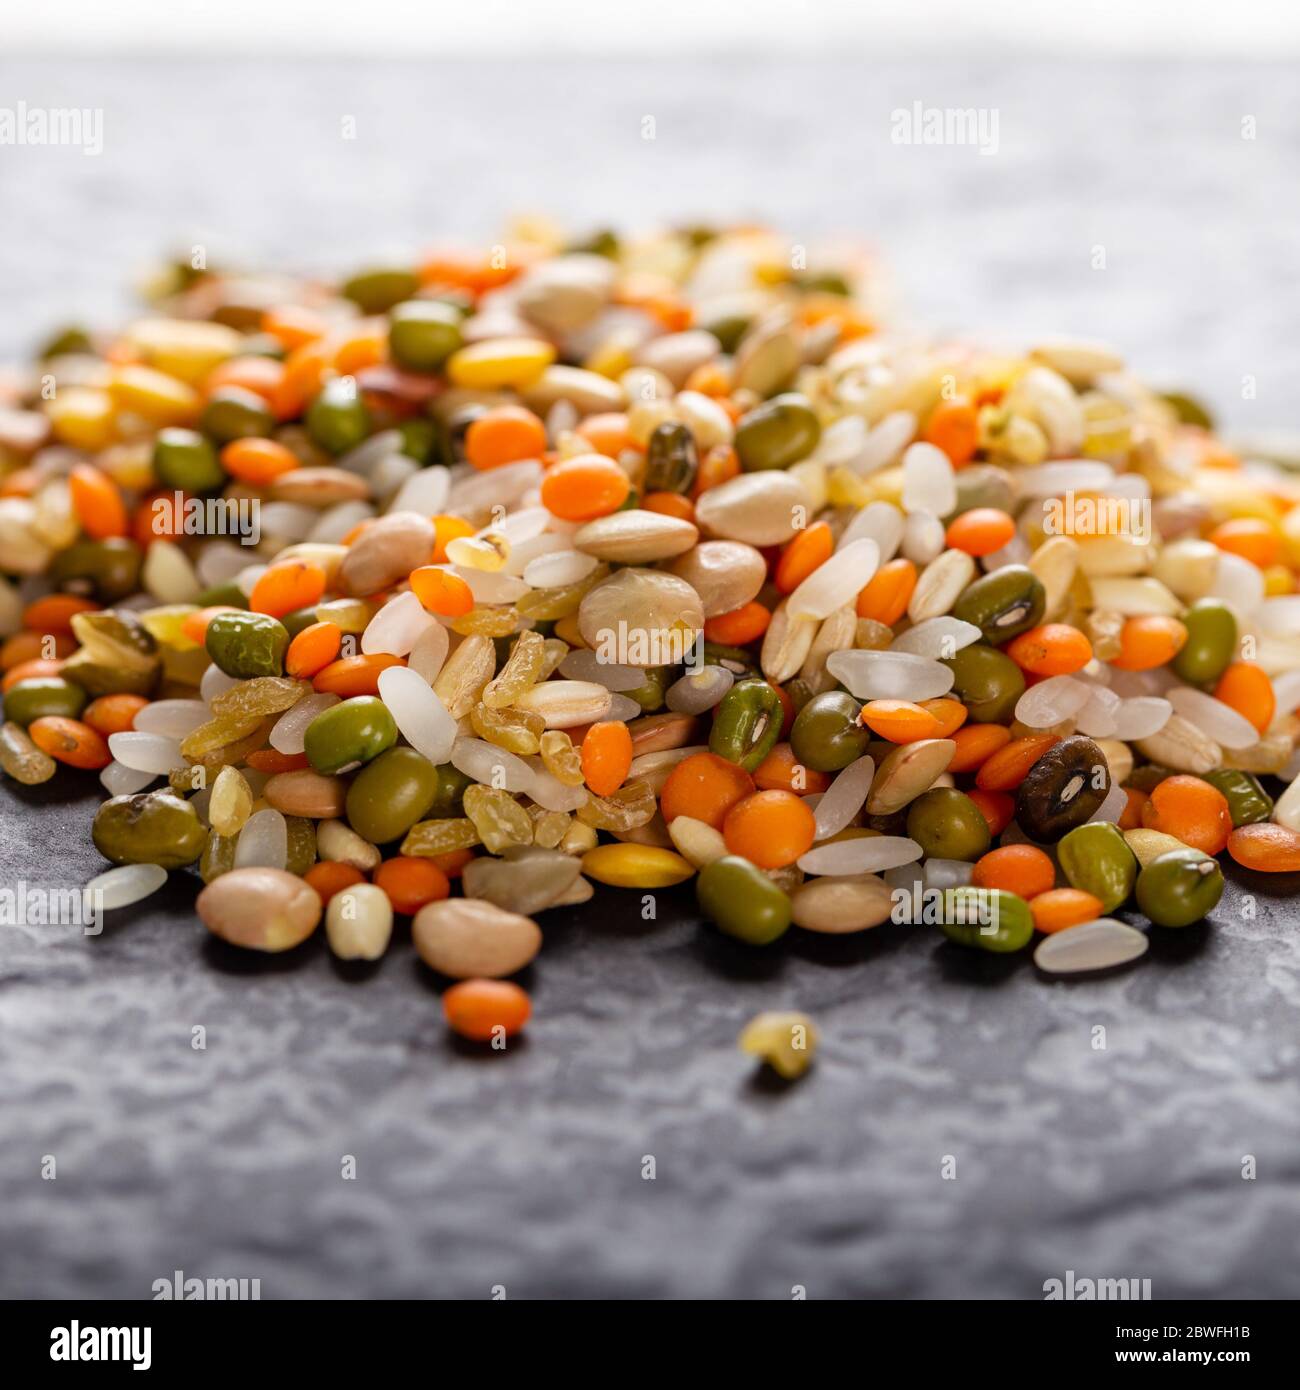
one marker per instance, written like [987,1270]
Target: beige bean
[761,509]
[320,487]
[654,733]
[1180,745]
[386,552]
[359,922]
[1054,564]
[565,704]
[940,585]
[306,793]
[1147,844]
[907,772]
[840,905]
[786,643]
[529,880]
[725,574]
[696,840]
[260,909]
[468,938]
[636,537]
[587,392]
[339,842]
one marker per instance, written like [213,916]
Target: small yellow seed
[786,1042]
[636,866]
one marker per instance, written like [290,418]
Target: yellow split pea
[635,866]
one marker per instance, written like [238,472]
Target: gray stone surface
[526,1169]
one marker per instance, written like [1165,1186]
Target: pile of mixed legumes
[456,587]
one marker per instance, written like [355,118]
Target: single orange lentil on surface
[997,808]
[739,627]
[782,771]
[484,1010]
[97,501]
[770,829]
[54,612]
[704,787]
[286,587]
[583,488]
[980,531]
[1148,641]
[954,427]
[1023,869]
[504,434]
[976,743]
[441,591]
[313,649]
[1062,908]
[899,721]
[1131,816]
[1249,537]
[1247,688]
[330,876]
[113,714]
[669,504]
[410,883]
[808,551]
[354,675]
[257,461]
[70,741]
[606,756]
[885,596]
[1009,766]
[1190,810]
[1054,649]
[1267,848]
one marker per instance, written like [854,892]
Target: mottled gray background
[525,1169]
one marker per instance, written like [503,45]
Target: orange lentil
[1062,908]
[271,761]
[70,741]
[976,743]
[1022,869]
[504,434]
[781,771]
[195,625]
[950,713]
[1190,810]
[740,627]
[286,587]
[54,612]
[97,501]
[704,787]
[1009,766]
[257,462]
[32,670]
[886,594]
[770,829]
[1148,641]
[583,488]
[1270,849]
[483,1010]
[808,551]
[304,370]
[669,504]
[1249,537]
[1131,816]
[980,531]
[354,675]
[113,714]
[441,591]
[445,530]
[453,862]
[1054,649]
[953,426]
[260,375]
[900,721]
[365,346]
[313,649]
[35,646]
[411,883]
[997,808]
[159,516]
[292,325]
[719,465]
[1246,688]
[607,433]
[606,756]
[330,876]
